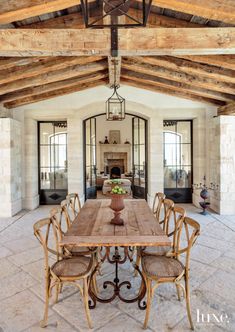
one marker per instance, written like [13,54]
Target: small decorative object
[101,142]
[106,140]
[114,142]
[205,194]
[117,204]
[114,135]
[127,142]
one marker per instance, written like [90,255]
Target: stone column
[227,164]
[10,166]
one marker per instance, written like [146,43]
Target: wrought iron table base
[117,259]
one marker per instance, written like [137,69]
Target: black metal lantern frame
[115,106]
[106,13]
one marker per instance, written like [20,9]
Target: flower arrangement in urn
[117,204]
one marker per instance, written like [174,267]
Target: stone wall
[10,167]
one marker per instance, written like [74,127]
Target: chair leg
[188,301]
[86,305]
[178,291]
[149,301]
[137,263]
[57,291]
[43,322]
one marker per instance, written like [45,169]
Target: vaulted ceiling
[186,50]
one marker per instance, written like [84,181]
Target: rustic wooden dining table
[91,228]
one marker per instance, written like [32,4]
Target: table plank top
[92,227]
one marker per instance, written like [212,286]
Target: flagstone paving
[212,285]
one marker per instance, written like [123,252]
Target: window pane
[184,177]
[88,132]
[170,154]
[136,154]
[60,156]
[142,131]
[184,129]
[136,131]
[46,131]
[47,181]
[45,156]
[186,154]
[170,177]
[142,154]
[61,179]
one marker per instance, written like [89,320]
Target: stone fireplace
[115,167]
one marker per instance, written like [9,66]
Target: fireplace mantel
[113,150]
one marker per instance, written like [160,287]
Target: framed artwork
[114,137]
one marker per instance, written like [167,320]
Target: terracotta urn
[117,205]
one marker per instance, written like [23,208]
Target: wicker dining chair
[74,204]
[169,268]
[158,204]
[59,215]
[168,209]
[64,270]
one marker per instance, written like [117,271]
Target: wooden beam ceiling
[220,10]
[172,92]
[15,10]
[176,86]
[53,76]
[142,41]
[228,109]
[43,66]
[54,93]
[136,64]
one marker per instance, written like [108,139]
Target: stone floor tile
[226,264]
[15,283]
[7,268]
[4,252]
[218,231]
[204,254]
[27,257]
[211,242]
[20,311]
[36,269]
[221,283]
[55,324]
[122,323]
[22,244]
[230,253]
[72,309]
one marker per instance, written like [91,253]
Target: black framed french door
[139,157]
[178,156]
[90,158]
[52,161]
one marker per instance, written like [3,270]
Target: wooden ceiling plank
[142,41]
[35,90]
[176,86]
[135,64]
[219,10]
[53,76]
[228,109]
[53,94]
[171,92]
[43,66]
[8,63]
[192,68]
[224,61]
[15,10]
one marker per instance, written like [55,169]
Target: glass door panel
[177,139]
[53,181]
[139,158]
[90,158]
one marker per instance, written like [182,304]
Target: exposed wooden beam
[135,64]
[192,68]
[76,21]
[53,76]
[221,10]
[53,94]
[176,86]
[36,90]
[15,10]
[142,41]
[171,92]
[7,63]
[225,61]
[43,66]
[228,109]
[114,70]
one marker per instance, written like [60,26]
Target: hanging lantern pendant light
[115,105]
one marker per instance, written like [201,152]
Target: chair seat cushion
[162,266]
[72,267]
[156,251]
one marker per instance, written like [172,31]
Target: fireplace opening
[115,173]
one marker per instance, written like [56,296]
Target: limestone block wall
[10,167]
